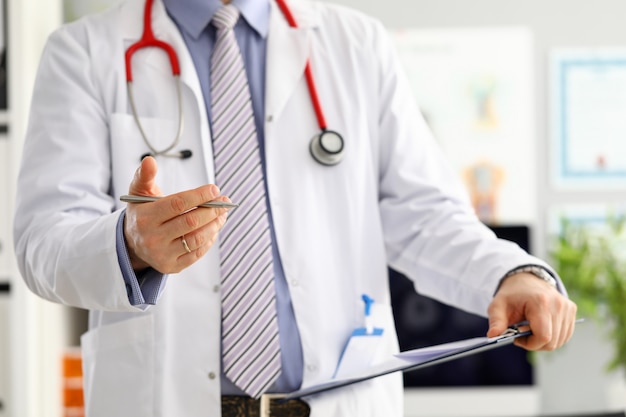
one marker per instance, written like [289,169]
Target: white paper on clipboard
[413,360]
[430,352]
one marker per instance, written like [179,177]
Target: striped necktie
[250,344]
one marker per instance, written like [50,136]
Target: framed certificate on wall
[588,122]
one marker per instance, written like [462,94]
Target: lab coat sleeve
[432,233]
[65,220]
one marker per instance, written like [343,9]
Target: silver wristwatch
[536,271]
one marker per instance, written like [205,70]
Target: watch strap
[535,270]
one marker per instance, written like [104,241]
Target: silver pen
[149,199]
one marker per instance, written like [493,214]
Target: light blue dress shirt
[193,19]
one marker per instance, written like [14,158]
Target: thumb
[498,320]
[143,182]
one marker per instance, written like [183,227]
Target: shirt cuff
[144,289]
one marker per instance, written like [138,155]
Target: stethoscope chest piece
[327,148]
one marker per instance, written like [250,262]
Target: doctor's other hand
[172,233]
[550,314]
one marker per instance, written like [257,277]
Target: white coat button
[295,282]
[311,367]
[216,288]
[212,375]
[270,118]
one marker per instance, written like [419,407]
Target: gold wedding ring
[182,239]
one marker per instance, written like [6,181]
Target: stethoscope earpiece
[327,148]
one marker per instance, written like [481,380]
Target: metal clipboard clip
[514,329]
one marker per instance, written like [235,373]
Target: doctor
[150,273]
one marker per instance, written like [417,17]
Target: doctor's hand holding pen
[170,234]
[524,298]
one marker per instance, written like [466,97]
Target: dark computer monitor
[422,321]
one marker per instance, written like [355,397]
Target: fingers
[153,230]
[551,315]
[180,203]
[196,244]
[552,321]
[543,323]
[180,209]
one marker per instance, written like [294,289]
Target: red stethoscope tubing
[149,40]
[319,113]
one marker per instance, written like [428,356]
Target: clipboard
[418,358]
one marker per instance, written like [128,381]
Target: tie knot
[226,17]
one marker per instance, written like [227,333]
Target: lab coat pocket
[382,318]
[112,356]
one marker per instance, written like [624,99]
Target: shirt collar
[195,15]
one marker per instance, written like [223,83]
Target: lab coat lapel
[130,14]
[287,53]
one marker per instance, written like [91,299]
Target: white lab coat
[393,200]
